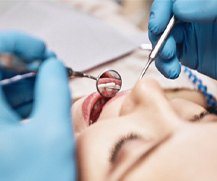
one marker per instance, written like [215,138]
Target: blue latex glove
[42,148]
[193,40]
[26,48]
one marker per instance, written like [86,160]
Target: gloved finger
[33,66]
[50,54]
[178,32]
[19,95]
[22,45]
[153,38]
[169,48]
[7,115]
[195,10]
[160,15]
[170,69]
[52,95]
[187,42]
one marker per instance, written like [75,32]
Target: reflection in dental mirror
[109,83]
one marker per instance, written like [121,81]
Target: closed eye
[119,144]
[199,117]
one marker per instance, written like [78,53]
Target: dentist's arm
[193,41]
[40,148]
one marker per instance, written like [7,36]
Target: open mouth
[94,103]
[92,107]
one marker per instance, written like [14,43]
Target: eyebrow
[145,155]
[119,144]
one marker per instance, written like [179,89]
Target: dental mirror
[109,83]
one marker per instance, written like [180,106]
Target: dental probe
[23,76]
[17,78]
[158,46]
[20,77]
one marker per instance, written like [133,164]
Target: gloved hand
[193,40]
[26,48]
[41,147]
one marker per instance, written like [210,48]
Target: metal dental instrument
[17,78]
[158,46]
[72,73]
[108,83]
[21,76]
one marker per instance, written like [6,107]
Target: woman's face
[146,134]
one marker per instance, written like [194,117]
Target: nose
[146,93]
[149,100]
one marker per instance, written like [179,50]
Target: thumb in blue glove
[26,47]
[193,40]
[41,148]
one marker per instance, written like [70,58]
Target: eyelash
[200,116]
[119,144]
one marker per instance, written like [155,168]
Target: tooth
[116,76]
[100,89]
[101,85]
[110,84]
[109,89]
[117,86]
[107,85]
[95,107]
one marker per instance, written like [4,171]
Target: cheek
[78,121]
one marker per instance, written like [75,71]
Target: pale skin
[148,134]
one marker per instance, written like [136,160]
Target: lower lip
[87,106]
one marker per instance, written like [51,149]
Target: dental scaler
[158,46]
